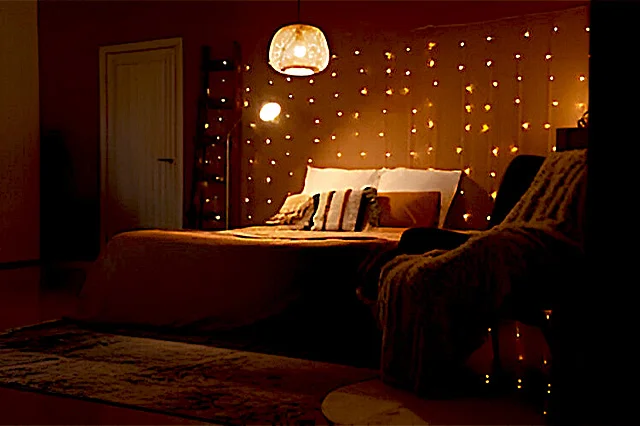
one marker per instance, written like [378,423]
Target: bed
[311,253]
[209,281]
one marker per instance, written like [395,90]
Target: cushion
[320,180]
[409,209]
[345,210]
[297,209]
[402,179]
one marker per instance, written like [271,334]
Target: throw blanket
[434,309]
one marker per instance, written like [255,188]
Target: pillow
[297,209]
[345,210]
[320,180]
[409,209]
[402,179]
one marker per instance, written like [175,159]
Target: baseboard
[20,264]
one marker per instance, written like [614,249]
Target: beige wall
[19,132]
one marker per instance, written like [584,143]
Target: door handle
[166,160]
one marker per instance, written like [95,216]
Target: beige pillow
[297,209]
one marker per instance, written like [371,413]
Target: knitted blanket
[434,309]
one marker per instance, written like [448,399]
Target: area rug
[218,385]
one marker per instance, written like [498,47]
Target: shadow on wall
[469,197]
[68,222]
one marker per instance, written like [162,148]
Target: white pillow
[402,179]
[330,179]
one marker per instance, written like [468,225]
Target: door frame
[105,51]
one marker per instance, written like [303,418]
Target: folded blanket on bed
[434,309]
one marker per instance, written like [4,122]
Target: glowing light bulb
[495,151]
[381,134]
[405,90]
[494,83]
[246,200]
[494,194]
[414,130]
[317,121]
[431,63]
[310,160]
[363,154]
[407,72]
[388,55]
[356,115]
[288,79]
[466,217]
[248,141]
[413,153]
[339,113]
[487,107]
[311,100]
[430,124]
[248,89]
[287,153]
[587,29]
[582,78]
[270,111]
[547,126]
[551,78]
[357,52]
[527,34]
[461,44]
[489,38]
[389,92]
[458,150]
[388,154]
[290,95]
[206,125]
[339,154]
[316,140]
[555,29]
[270,82]
[469,88]
[467,171]
[334,74]
[389,71]
[268,179]
[431,45]
[287,137]
[467,127]
[526,125]
[514,149]
[361,71]
[489,63]
[520,357]
[311,81]
[384,111]
[517,56]
[356,134]
[519,78]
[364,91]
[554,103]
[517,100]
[492,174]
[267,141]
[485,128]
[246,104]
[273,162]
[408,49]
[460,67]
[548,56]
[333,137]
[468,108]
[414,111]
[435,82]
[290,173]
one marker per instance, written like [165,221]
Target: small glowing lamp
[270,111]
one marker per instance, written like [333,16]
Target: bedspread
[220,280]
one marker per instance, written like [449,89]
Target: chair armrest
[422,240]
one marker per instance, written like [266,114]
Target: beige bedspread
[220,280]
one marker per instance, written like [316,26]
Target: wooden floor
[31,295]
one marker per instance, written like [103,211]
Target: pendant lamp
[299,49]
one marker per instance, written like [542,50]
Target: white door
[141,136]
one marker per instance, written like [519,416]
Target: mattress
[221,280]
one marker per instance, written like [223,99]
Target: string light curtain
[467,97]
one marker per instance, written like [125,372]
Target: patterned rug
[223,386]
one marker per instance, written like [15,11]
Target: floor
[32,295]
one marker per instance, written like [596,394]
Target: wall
[19,132]
[71,33]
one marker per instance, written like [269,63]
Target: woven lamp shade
[299,50]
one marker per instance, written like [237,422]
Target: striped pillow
[343,210]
